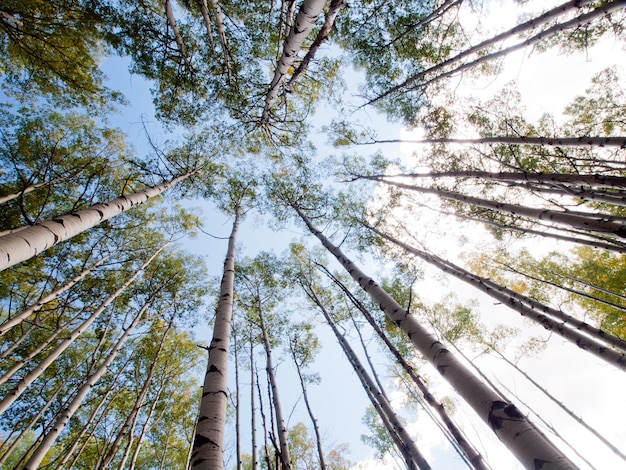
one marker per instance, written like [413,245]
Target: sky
[547,82]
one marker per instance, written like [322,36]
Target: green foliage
[53,49]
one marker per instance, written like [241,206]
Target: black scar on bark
[539,463]
[509,410]
[214,369]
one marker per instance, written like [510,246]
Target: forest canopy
[349,234]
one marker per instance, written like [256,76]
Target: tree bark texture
[208,446]
[306,18]
[29,242]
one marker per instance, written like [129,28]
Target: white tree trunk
[29,378]
[66,415]
[29,242]
[522,438]
[208,446]
[307,16]
[17,319]
[285,458]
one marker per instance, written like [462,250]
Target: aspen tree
[304,23]
[208,446]
[68,412]
[522,438]
[23,245]
[29,378]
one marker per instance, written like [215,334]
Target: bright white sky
[595,391]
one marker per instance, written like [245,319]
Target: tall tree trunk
[28,189]
[23,245]
[252,407]
[560,404]
[147,425]
[28,427]
[597,180]
[470,452]
[526,442]
[92,421]
[124,430]
[285,458]
[29,378]
[322,35]
[602,223]
[614,244]
[532,309]
[266,453]
[305,21]
[204,8]
[406,445]
[237,407]
[27,357]
[579,20]
[208,447]
[20,317]
[68,412]
[305,395]
[171,20]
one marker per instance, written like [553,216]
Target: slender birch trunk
[208,446]
[266,452]
[615,198]
[307,403]
[70,410]
[239,463]
[406,445]
[28,189]
[252,407]
[618,247]
[445,6]
[522,438]
[602,223]
[532,309]
[204,8]
[26,358]
[582,141]
[29,378]
[147,425]
[285,458]
[20,317]
[567,289]
[125,428]
[305,21]
[28,427]
[579,21]
[171,20]
[470,452]
[29,242]
[596,180]
[555,12]
[329,21]
[92,421]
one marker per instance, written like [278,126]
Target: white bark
[379,400]
[29,242]
[208,446]
[601,223]
[305,21]
[285,458]
[20,317]
[546,316]
[29,378]
[522,438]
[529,25]
[70,410]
